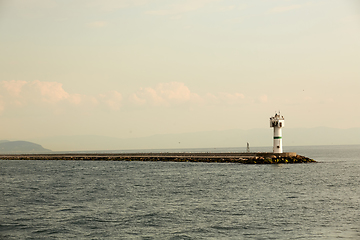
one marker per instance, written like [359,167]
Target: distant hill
[209,139]
[13,147]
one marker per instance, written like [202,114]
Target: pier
[244,158]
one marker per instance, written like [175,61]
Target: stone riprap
[244,158]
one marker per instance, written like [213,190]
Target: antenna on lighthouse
[277,122]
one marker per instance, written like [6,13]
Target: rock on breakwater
[244,158]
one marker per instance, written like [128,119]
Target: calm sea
[158,200]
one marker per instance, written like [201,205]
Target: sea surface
[170,200]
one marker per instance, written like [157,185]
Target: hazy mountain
[209,139]
[12,147]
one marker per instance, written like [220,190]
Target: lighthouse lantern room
[277,122]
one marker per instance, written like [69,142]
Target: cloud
[163,94]
[13,87]
[285,8]
[41,94]
[50,92]
[2,105]
[23,92]
[224,98]
[76,99]
[112,99]
[52,96]
[177,93]
[263,98]
[174,91]
[134,98]
[233,97]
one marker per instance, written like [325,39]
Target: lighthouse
[277,122]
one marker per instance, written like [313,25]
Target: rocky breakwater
[244,158]
[279,159]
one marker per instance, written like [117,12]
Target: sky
[136,68]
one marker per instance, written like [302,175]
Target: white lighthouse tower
[277,122]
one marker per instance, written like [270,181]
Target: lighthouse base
[285,154]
